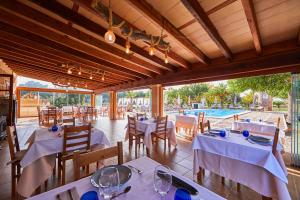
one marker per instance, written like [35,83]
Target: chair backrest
[275,141]
[76,138]
[84,159]
[161,125]
[69,120]
[13,141]
[140,115]
[208,125]
[278,122]
[131,125]
[52,114]
[89,110]
[181,111]
[200,118]
[235,117]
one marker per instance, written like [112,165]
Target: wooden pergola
[210,40]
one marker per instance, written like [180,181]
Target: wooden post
[93,100]
[157,100]
[18,94]
[113,105]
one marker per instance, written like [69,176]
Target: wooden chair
[50,114]
[69,120]
[236,117]
[134,134]
[181,112]
[278,122]
[83,160]
[16,156]
[201,124]
[140,115]
[161,130]
[74,139]
[275,141]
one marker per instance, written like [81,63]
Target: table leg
[148,152]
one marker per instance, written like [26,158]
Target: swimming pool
[215,113]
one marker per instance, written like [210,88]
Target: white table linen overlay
[237,159]
[39,160]
[187,121]
[141,185]
[149,126]
[257,127]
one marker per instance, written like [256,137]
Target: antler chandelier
[129,32]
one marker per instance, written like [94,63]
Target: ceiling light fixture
[109,35]
[127,46]
[91,76]
[69,71]
[103,78]
[166,57]
[79,72]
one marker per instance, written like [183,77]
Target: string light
[79,72]
[127,46]
[69,71]
[151,50]
[91,77]
[166,57]
[103,78]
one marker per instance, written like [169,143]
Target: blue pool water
[217,113]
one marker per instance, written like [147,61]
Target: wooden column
[157,100]
[93,100]
[113,105]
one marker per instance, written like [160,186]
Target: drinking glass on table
[162,180]
[109,182]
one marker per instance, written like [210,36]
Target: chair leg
[63,178]
[223,180]
[136,143]
[199,175]
[238,187]
[59,168]
[165,144]
[13,181]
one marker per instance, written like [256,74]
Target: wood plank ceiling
[210,40]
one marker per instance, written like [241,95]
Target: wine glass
[162,180]
[109,182]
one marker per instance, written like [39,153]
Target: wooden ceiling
[210,40]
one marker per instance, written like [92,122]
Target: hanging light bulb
[91,76]
[69,83]
[166,58]
[69,71]
[151,50]
[110,36]
[85,86]
[103,78]
[79,72]
[127,46]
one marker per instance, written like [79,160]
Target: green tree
[221,92]
[278,103]
[276,85]
[248,99]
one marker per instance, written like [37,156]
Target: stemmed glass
[162,180]
[109,182]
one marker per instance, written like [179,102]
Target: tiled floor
[179,159]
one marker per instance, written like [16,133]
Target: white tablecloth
[257,127]
[187,121]
[39,160]
[149,126]
[141,185]
[235,158]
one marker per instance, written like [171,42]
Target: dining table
[242,161]
[189,122]
[259,127]
[141,185]
[148,127]
[39,161]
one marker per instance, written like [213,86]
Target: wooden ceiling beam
[19,52]
[251,18]
[40,18]
[209,12]
[17,21]
[299,37]
[29,40]
[243,65]
[148,11]
[194,7]
[91,26]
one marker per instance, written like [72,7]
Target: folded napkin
[70,194]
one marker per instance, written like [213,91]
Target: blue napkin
[91,195]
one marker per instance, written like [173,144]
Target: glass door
[295,120]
